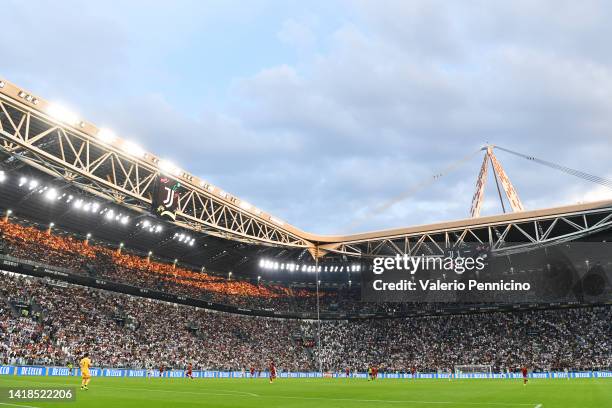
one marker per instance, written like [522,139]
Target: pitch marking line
[234,393]
[224,392]
[506,404]
[6,404]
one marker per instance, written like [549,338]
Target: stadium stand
[62,250]
[48,322]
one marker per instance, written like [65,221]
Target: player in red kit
[524,371]
[413,371]
[252,372]
[272,372]
[348,372]
[189,373]
[161,370]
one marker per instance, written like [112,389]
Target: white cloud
[299,33]
[388,96]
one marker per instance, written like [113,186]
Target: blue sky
[318,112]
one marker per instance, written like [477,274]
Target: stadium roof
[47,143]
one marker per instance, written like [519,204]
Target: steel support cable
[577,173]
[414,189]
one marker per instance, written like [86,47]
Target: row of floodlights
[293,267]
[107,136]
[184,238]
[151,227]
[52,194]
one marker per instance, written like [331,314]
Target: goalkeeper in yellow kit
[85,363]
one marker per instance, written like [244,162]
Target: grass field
[323,393]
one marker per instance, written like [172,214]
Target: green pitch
[322,393]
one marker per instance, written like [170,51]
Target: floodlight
[51,194]
[133,149]
[125,220]
[78,204]
[106,135]
[22,181]
[62,114]
[2,176]
[169,167]
[33,184]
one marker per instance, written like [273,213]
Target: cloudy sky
[323,112]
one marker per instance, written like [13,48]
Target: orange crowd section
[65,251]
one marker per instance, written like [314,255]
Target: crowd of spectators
[60,322]
[122,331]
[62,250]
[543,340]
